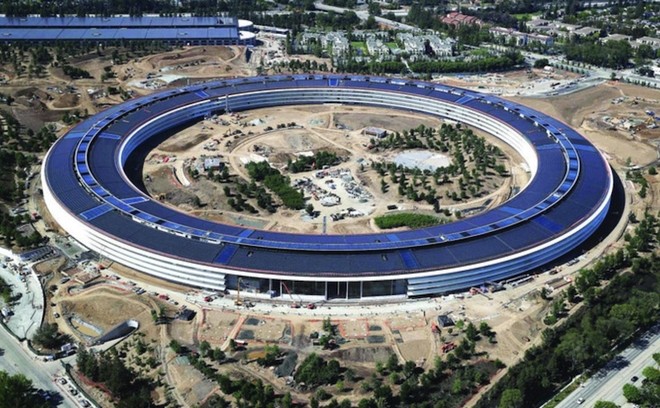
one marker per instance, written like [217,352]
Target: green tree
[632,394]
[218,355]
[511,398]
[484,329]
[393,363]
[605,404]
[471,332]
[175,346]
[17,391]
[541,63]
[204,348]
[48,337]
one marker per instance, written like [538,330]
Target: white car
[580,400]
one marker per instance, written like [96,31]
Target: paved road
[363,15]
[16,360]
[607,384]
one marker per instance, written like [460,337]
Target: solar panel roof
[434,246]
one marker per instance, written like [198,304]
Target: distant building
[213,163]
[546,40]
[508,34]
[375,46]
[441,47]
[374,131]
[650,41]
[186,315]
[456,19]
[536,24]
[445,321]
[180,30]
[616,37]
[586,31]
[413,45]
[521,39]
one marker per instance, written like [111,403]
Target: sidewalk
[28,309]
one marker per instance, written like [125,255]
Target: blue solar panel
[409,259]
[117,203]
[226,254]
[329,263]
[548,224]
[464,100]
[134,200]
[88,179]
[96,212]
[146,217]
[107,135]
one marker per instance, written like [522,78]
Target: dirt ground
[106,307]
[584,110]
[237,139]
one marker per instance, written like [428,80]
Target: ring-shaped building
[88,191]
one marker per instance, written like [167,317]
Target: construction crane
[238,301]
[294,304]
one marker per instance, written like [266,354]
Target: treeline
[627,305]
[75,72]
[317,161]
[125,385]
[410,220]
[12,236]
[12,172]
[611,54]
[506,61]
[277,183]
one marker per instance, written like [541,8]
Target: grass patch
[410,220]
[360,45]
[480,52]
[563,394]
[525,16]
[392,45]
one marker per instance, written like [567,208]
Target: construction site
[189,164]
[88,299]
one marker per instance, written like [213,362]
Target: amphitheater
[92,188]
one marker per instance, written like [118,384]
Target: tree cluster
[75,72]
[318,161]
[611,54]
[277,183]
[410,220]
[489,63]
[628,304]
[473,160]
[17,391]
[49,337]
[125,385]
[315,371]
